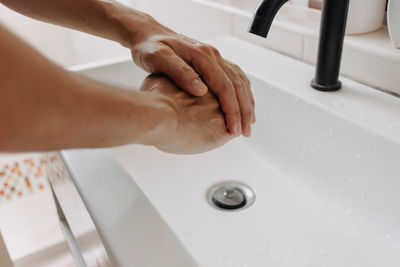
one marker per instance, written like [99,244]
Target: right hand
[195,67]
[198,125]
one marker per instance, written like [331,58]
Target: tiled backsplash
[370,58]
[22,176]
[248,4]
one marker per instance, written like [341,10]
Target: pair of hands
[196,68]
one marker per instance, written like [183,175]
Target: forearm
[44,107]
[104,18]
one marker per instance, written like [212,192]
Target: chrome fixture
[231,196]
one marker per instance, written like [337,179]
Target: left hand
[195,67]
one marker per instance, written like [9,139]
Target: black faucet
[333,25]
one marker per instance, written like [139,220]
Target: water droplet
[358,156]
[394,125]
[331,134]
[350,212]
[327,168]
[222,258]
[338,104]
[389,237]
[322,212]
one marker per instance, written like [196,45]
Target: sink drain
[231,196]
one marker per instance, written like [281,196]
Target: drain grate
[231,196]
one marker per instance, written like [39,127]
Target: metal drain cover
[231,196]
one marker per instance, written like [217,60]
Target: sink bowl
[325,168]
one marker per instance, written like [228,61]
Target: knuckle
[184,68]
[215,51]
[161,52]
[248,83]
[236,67]
[209,49]
[247,115]
[225,87]
[235,112]
[252,102]
[240,87]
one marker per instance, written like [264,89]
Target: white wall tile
[371,69]
[362,65]
[310,49]
[189,18]
[279,39]
[52,41]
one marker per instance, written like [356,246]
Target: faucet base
[326,88]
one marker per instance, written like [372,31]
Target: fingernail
[238,129]
[199,86]
[248,131]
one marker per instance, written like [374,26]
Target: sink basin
[325,168]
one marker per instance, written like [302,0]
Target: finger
[149,83]
[165,60]
[246,109]
[248,89]
[154,81]
[203,58]
[221,85]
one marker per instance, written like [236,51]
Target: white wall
[53,41]
[67,47]
[63,46]
[188,18]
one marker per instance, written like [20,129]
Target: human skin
[200,118]
[44,107]
[194,66]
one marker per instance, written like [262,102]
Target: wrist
[112,116]
[131,26]
[160,119]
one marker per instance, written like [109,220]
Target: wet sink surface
[325,194]
[325,169]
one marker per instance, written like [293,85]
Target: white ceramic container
[365,16]
[393,17]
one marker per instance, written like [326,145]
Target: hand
[198,124]
[195,67]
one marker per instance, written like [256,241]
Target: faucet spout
[264,15]
[332,30]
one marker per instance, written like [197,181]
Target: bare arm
[43,107]
[98,17]
[195,67]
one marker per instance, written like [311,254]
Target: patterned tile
[21,177]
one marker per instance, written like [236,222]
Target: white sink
[325,168]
